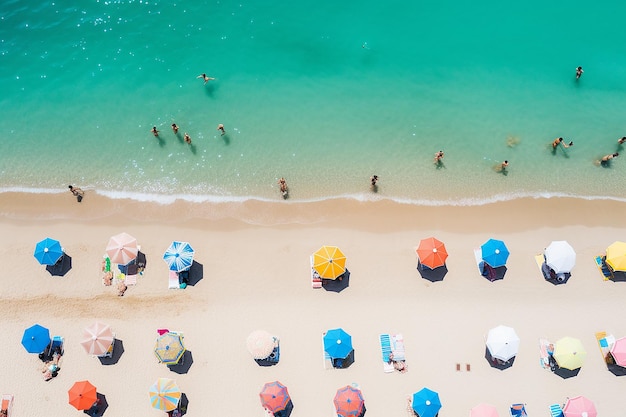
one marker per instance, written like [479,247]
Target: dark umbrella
[432,275]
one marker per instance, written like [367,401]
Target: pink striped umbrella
[484,410]
[579,407]
[619,351]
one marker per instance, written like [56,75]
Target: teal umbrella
[48,251]
[337,343]
[426,403]
[36,338]
[495,253]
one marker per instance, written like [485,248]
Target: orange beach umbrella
[432,253]
[82,395]
[329,262]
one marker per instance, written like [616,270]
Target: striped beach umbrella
[274,396]
[122,248]
[48,251]
[82,395]
[169,348]
[179,256]
[36,338]
[349,402]
[329,262]
[164,394]
[432,253]
[97,338]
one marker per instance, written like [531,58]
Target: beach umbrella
[122,248]
[349,401]
[484,410]
[179,256]
[432,253]
[616,256]
[169,348]
[560,256]
[164,394]
[36,338]
[494,252]
[337,343]
[82,395]
[48,251]
[261,344]
[569,353]
[426,403]
[274,396]
[97,338]
[503,342]
[618,351]
[579,407]
[329,262]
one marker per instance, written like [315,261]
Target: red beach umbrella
[274,396]
[349,402]
[82,395]
[432,253]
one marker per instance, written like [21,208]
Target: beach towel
[518,410]
[603,268]
[556,411]
[328,361]
[385,347]
[544,357]
[173,283]
[398,347]
[316,280]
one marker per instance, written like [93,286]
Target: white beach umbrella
[560,256]
[503,342]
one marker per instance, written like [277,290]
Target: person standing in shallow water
[579,72]
[187,138]
[175,128]
[154,131]
[220,127]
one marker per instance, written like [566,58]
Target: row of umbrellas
[121,249]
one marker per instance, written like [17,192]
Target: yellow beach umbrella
[569,353]
[329,262]
[616,256]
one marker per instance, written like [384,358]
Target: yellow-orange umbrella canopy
[616,256]
[329,262]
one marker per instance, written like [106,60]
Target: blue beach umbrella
[179,256]
[337,343]
[495,253]
[48,251]
[426,403]
[36,338]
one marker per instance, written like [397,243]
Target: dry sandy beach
[255,259]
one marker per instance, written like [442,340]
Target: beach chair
[131,275]
[328,362]
[603,267]
[7,404]
[173,283]
[316,280]
[109,352]
[518,410]
[385,347]
[544,356]
[556,410]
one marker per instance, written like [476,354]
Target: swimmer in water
[175,128]
[205,77]
[579,72]
[154,131]
[187,138]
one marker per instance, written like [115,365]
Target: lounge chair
[603,267]
[544,356]
[173,283]
[316,280]
[518,410]
[385,347]
[328,361]
[109,352]
[7,404]
[605,343]
[398,347]
[131,275]
[556,410]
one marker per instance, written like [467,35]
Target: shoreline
[255,260]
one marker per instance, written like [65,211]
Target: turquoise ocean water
[323,93]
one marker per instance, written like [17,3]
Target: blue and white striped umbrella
[179,256]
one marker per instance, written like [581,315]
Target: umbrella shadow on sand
[616,369]
[432,275]
[99,407]
[118,351]
[62,267]
[286,412]
[196,273]
[497,363]
[182,367]
[183,404]
[339,284]
[566,373]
